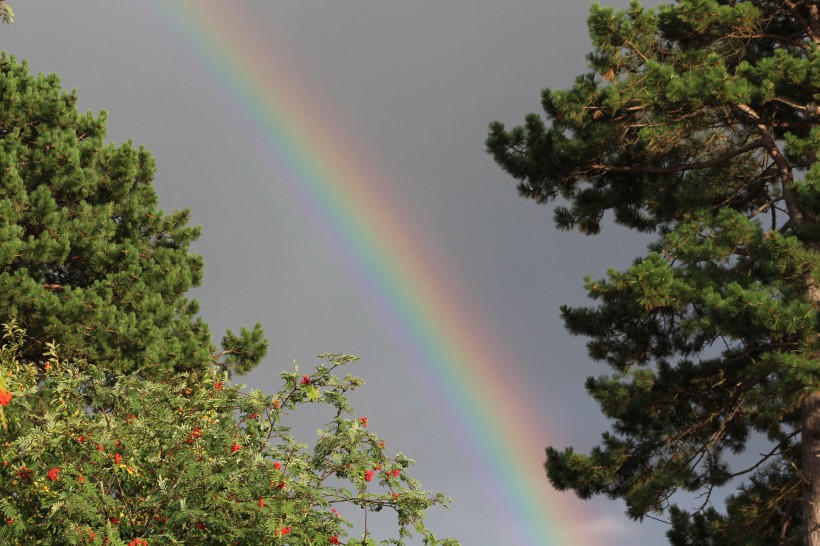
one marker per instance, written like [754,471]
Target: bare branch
[811,110]
[813,26]
[684,167]
[783,167]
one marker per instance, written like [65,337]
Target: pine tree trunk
[810,452]
[811,406]
[811,469]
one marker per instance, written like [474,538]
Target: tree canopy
[119,424]
[700,122]
[87,259]
[92,457]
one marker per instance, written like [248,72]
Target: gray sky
[410,88]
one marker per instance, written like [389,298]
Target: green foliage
[86,257]
[6,13]
[134,435]
[698,122]
[669,109]
[91,456]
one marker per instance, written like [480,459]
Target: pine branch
[810,110]
[783,167]
[684,167]
[812,27]
[6,13]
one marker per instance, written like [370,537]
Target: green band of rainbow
[336,183]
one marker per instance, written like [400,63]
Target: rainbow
[332,181]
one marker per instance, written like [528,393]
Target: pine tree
[87,260]
[6,13]
[699,122]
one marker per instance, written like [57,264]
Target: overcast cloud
[415,85]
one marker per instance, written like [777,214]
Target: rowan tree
[87,259]
[94,457]
[700,122]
